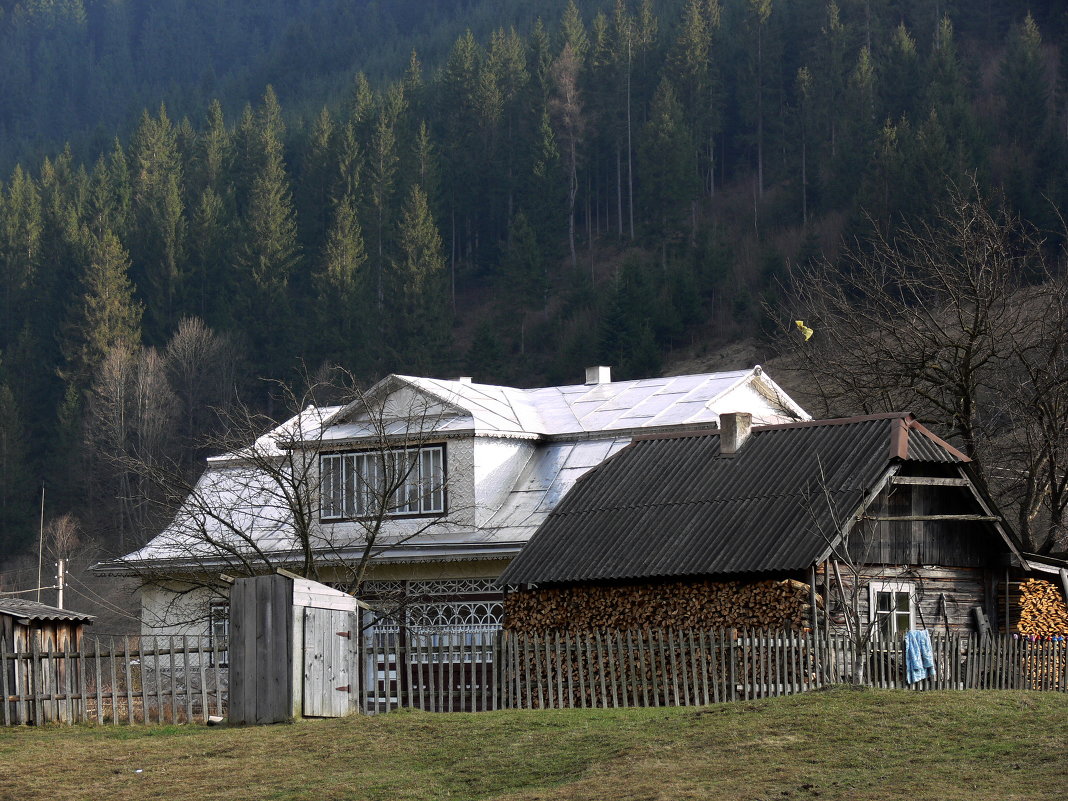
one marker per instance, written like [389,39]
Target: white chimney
[599,375]
[734,429]
[464,379]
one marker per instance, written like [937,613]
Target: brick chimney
[599,375]
[734,429]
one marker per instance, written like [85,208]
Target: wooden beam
[907,518]
[928,481]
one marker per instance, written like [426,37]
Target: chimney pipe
[734,429]
[599,375]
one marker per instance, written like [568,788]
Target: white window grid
[894,621]
[352,484]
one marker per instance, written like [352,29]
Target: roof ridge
[831,421]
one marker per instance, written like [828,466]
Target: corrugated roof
[20,607]
[673,506]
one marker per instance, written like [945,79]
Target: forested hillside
[602,183]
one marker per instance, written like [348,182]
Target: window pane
[904,622]
[882,602]
[351,486]
[902,599]
[330,486]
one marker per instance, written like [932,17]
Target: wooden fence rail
[115,680]
[674,667]
[677,667]
[179,679]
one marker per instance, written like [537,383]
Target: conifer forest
[197,196]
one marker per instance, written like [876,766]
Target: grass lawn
[866,745]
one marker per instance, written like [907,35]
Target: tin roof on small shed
[32,610]
[671,505]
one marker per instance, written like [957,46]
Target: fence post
[4,680]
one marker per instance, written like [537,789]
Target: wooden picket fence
[677,667]
[184,679]
[116,680]
[687,667]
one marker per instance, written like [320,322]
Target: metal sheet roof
[673,506]
[240,512]
[32,610]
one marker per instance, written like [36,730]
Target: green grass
[842,744]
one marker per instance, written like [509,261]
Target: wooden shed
[773,527]
[29,627]
[294,650]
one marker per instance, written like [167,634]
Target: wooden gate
[331,662]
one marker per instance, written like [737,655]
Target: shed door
[331,642]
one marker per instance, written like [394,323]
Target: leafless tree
[963,322]
[131,414]
[202,367]
[288,496]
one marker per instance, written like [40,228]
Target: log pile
[1042,609]
[774,605]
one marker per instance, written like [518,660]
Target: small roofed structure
[31,627]
[756,525]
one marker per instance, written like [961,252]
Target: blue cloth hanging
[919,659]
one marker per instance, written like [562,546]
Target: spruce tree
[108,317]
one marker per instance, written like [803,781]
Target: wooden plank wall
[261,650]
[944,596]
[116,680]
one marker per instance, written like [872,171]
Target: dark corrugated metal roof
[673,506]
[20,607]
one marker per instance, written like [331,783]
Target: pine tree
[1024,85]
[418,270]
[381,179]
[341,285]
[666,167]
[108,317]
[15,477]
[159,211]
[21,227]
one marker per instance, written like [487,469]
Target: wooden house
[805,524]
[29,627]
[492,462]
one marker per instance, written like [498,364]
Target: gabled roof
[580,409]
[576,427]
[33,610]
[671,505]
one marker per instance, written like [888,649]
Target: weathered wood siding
[924,542]
[261,649]
[43,636]
[944,597]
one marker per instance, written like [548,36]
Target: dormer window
[400,482]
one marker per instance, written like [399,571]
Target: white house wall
[498,463]
[749,398]
[174,610]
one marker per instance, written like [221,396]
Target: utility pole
[61,580]
[40,544]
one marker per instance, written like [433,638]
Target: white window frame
[342,497]
[897,588]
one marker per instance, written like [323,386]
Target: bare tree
[291,496]
[963,322]
[202,368]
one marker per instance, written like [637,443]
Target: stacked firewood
[774,605]
[1042,607]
